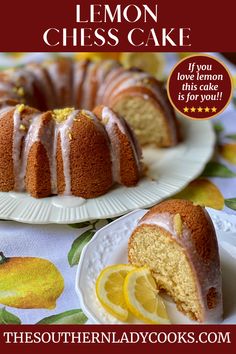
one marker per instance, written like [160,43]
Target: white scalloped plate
[109,246]
[169,170]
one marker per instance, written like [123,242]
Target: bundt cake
[47,148]
[177,241]
[62,82]
[65,151]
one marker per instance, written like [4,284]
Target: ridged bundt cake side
[36,153]
[89,157]
[125,150]
[177,241]
[61,83]
[65,151]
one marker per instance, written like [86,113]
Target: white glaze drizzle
[114,82]
[129,80]
[205,279]
[85,100]
[104,88]
[64,129]
[19,135]
[54,160]
[110,120]
[31,137]
[105,68]
[16,148]
[78,74]
[39,72]
[23,140]
[95,120]
[59,80]
[38,132]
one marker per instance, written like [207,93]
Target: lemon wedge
[151,62]
[142,299]
[109,290]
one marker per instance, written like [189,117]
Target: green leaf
[80,225]
[78,245]
[216,169]
[231,203]
[3,259]
[219,128]
[67,317]
[234,100]
[113,219]
[231,136]
[8,318]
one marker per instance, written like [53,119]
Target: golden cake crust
[38,172]
[184,240]
[128,167]
[89,161]
[60,173]
[38,175]
[7,179]
[197,220]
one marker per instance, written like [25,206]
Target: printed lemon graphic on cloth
[202,192]
[28,282]
[15,54]
[153,63]
[142,299]
[228,152]
[109,290]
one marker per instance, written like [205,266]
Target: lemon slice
[151,62]
[109,290]
[142,299]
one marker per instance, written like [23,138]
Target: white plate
[109,246]
[169,170]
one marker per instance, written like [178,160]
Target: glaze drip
[110,121]
[64,130]
[21,123]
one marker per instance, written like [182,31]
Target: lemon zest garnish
[22,127]
[60,115]
[20,107]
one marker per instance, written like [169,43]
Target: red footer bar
[118,338]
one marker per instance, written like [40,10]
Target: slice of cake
[177,241]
